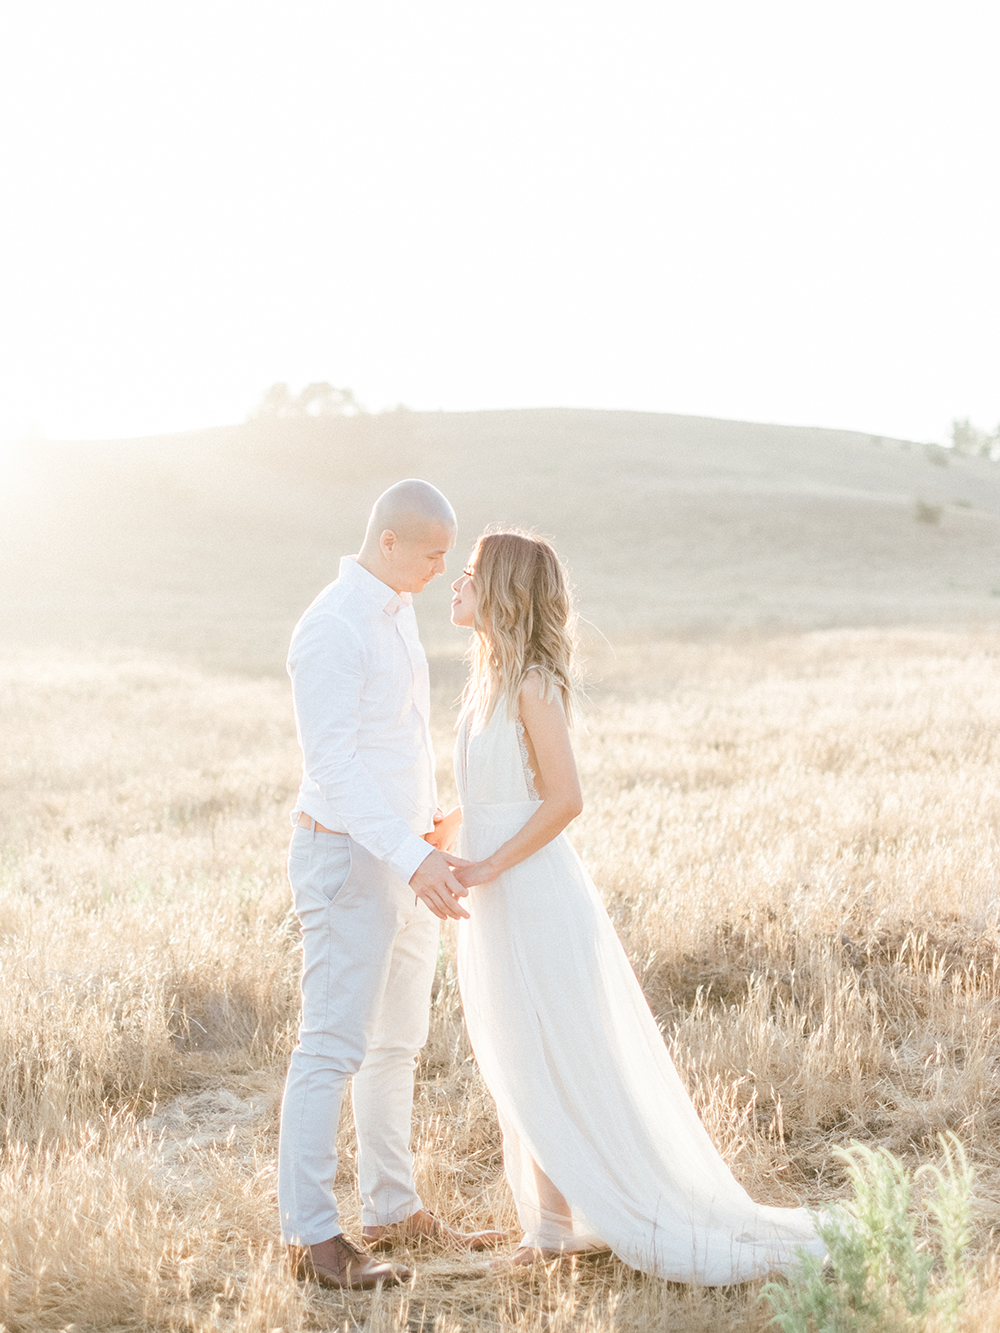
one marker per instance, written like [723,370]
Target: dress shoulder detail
[535,675]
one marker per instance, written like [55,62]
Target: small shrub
[969,439]
[892,1261]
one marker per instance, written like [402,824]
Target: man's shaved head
[408,508]
[411,529]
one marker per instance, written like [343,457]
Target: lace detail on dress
[529,777]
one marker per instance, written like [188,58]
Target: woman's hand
[479,872]
[445,830]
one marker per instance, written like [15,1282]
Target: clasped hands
[469,873]
[442,879]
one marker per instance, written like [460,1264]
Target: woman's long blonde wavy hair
[524,618]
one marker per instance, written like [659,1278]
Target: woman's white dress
[580,1073]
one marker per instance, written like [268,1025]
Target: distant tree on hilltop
[276,402]
[969,439]
[318,399]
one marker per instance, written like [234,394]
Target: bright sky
[777,211]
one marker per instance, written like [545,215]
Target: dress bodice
[491,761]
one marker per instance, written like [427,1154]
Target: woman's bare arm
[556,780]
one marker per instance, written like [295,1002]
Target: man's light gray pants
[369,954]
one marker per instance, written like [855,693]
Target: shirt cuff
[409,856]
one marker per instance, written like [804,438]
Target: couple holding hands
[603,1149]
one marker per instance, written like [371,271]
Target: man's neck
[376,568]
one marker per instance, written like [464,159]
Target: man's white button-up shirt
[362,709]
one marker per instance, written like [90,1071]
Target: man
[369,887]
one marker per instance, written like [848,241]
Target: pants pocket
[318,867]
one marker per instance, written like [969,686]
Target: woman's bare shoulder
[537,694]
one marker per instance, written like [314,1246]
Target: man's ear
[387,542]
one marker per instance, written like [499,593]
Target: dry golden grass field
[796,836]
[790,768]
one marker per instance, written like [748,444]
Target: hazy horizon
[36,435]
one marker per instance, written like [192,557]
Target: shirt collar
[373,589]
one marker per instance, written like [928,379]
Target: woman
[603,1148]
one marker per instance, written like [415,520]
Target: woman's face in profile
[463,604]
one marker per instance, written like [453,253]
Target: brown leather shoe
[338,1263]
[425,1226]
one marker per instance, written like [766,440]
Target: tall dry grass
[797,839]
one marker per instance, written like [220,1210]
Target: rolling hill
[207,545]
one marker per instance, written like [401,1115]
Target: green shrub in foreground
[892,1258]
